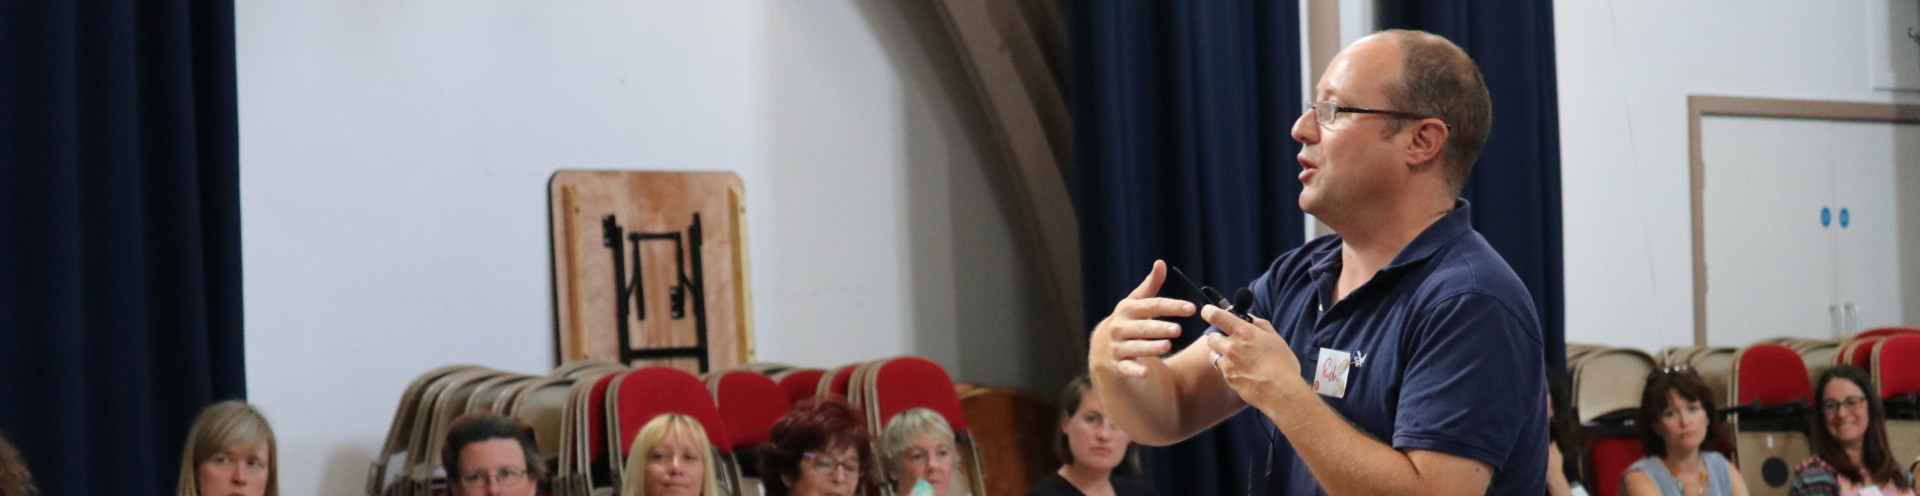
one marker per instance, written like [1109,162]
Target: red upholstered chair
[597,431]
[1859,352]
[1772,393]
[902,384]
[1610,457]
[1771,375]
[646,393]
[836,383]
[1897,371]
[799,384]
[749,403]
[1897,368]
[1886,332]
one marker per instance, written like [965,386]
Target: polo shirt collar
[1456,222]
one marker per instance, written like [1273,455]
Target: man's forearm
[1346,460]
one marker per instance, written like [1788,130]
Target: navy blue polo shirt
[1444,353]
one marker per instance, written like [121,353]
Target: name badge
[1330,376]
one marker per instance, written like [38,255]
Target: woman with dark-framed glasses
[819,449]
[1849,438]
[1677,422]
[493,455]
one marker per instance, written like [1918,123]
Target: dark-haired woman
[1677,421]
[1851,455]
[819,449]
[1092,447]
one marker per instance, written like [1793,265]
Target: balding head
[1437,78]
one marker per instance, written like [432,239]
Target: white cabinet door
[1769,260]
[1868,221]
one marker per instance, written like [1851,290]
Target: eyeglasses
[502,477]
[1831,406]
[824,465]
[1327,111]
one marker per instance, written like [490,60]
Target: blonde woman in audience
[670,457]
[1677,422]
[1849,438]
[493,455]
[230,450]
[1092,448]
[916,447]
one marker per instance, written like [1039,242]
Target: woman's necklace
[1701,489]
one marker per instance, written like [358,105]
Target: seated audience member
[671,457]
[818,449]
[15,480]
[1092,447]
[1563,429]
[490,454]
[1849,438]
[1677,421]
[917,445]
[230,450]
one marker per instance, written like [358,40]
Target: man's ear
[1428,140]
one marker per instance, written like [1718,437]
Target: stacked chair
[1772,397]
[586,415]
[887,387]
[636,397]
[750,403]
[1606,384]
[1896,370]
[409,460]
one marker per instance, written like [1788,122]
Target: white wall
[1625,70]
[394,164]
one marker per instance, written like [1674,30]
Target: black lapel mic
[1242,301]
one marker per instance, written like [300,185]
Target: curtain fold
[1182,115]
[120,300]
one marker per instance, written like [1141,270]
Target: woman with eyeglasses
[1677,422]
[671,457]
[1092,447]
[1851,454]
[916,447]
[230,450]
[492,455]
[818,449]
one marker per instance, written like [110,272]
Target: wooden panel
[1014,431]
[585,293]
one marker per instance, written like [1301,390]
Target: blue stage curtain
[1515,187]
[120,311]
[1182,114]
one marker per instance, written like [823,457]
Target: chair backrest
[799,384]
[649,392]
[836,383]
[1883,332]
[750,404]
[1859,351]
[1770,374]
[400,433]
[906,383]
[1610,458]
[1715,366]
[543,405]
[1607,381]
[901,384]
[1897,365]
